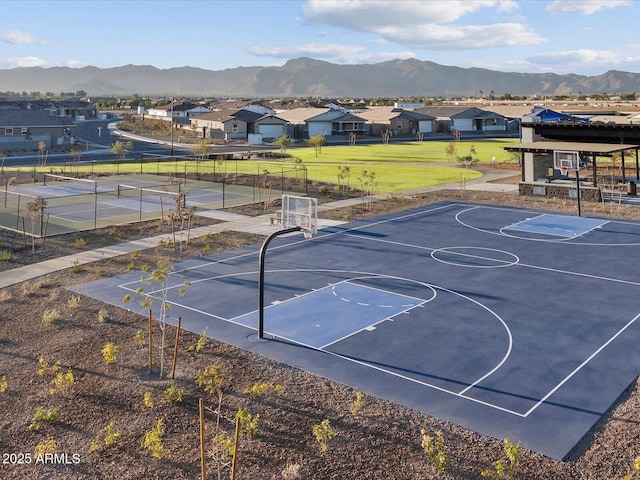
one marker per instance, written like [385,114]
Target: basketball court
[513,323]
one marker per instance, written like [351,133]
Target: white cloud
[471,37]
[16,37]
[423,24]
[371,15]
[328,51]
[585,7]
[585,59]
[15,62]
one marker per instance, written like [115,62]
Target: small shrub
[174,394]
[222,447]
[76,267]
[5,296]
[139,337]
[211,379]
[291,472]
[323,433]
[62,381]
[5,255]
[80,243]
[3,384]
[30,288]
[248,423]
[435,450]
[153,440]
[73,302]
[103,315]
[256,391]
[148,399]
[51,316]
[48,445]
[109,438]
[43,415]
[202,340]
[503,470]
[113,231]
[358,404]
[44,366]
[110,353]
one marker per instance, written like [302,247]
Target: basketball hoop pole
[263,252]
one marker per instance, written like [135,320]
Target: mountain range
[306,77]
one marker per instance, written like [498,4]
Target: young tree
[120,149]
[284,142]
[160,283]
[201,149]
[317,141]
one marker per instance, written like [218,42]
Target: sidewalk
[260,225]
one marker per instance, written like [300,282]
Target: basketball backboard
[300,212]
[566,160]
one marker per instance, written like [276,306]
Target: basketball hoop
[564,171]
[308,231]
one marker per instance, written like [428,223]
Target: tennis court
[509,322]
[76,204]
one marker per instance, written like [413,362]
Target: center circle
[474,257]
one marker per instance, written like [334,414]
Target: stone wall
[560,190]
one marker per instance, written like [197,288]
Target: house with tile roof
[242,124]
[465,119]
[401,123]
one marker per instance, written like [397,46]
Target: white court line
[581,366]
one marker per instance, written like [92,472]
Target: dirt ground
[102,417]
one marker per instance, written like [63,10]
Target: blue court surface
[513,323]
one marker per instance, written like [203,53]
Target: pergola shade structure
[541,153]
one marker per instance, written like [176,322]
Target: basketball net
[564,171]
[308,231]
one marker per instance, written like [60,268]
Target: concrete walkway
[260,225]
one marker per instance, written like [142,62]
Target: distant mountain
[308,77]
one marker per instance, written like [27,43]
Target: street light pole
[171,127]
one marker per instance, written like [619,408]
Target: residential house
[400,122]
[465,119]
[179,111]
[307,122]
[240,125]
[25,129]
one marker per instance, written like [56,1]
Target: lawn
[396,167]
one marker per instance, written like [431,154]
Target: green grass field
[397,166]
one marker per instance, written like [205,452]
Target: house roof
[229,115]
[444,111]
[582,147]
[386,114]
[32,118]
[301,115]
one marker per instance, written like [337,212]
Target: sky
[584,37]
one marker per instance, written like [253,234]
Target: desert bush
[434,448]
[62,381]
[323,433]
[202,340]
[80,243]
[103,315]
[248,423]
[503,470]
[174,394]
[3,384]
[5,296]
[257,390]
[43,415]
[104,440]
[5,255]
[110,353]
[153,440]
[148,399]
[358,404]
[73,302]
[51,316]
[47,445]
